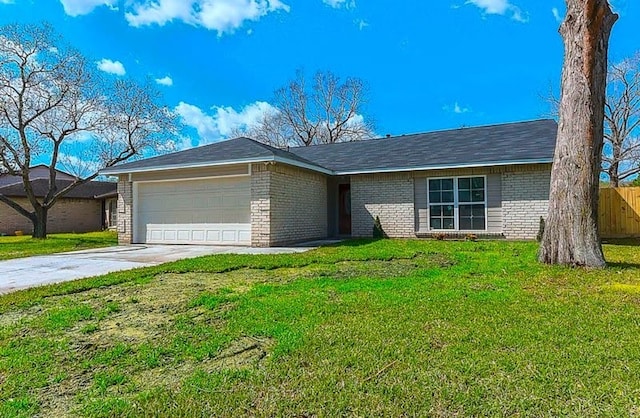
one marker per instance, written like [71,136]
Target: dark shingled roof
[233,149]
[497,144]
[40,186]
[520,142]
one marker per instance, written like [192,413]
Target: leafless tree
[621,156]
[328,111]
[571,230]
[53,105]
[621,151]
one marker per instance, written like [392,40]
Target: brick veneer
[260,205]
[67,215]
[525,198]
[388,196]
[125,210]
[288,205]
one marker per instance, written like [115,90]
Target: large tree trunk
[40,223]
[571,232]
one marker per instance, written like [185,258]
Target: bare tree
[571,231]
[621,150]
[53,105]
[327,112]
[621,156]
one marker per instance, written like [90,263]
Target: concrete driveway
[28,272]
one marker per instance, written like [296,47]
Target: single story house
[489,181]
[84,209]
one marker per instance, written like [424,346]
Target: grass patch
[419,328]
[25,246]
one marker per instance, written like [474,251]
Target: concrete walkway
[22,273]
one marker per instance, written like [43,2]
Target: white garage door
[207,211]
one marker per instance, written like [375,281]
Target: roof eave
[115,170]
[445,166]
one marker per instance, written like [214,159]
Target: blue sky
[429,64]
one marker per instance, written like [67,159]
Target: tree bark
[571,233]
[40,223]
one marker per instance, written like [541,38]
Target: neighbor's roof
[513,143]
[41,186]
[233,151]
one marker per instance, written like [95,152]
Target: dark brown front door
[344,209]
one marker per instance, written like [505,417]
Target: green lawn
[384,328]
[25,246]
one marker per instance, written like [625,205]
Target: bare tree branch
[54,106]
[329,111]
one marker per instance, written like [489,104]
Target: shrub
[378,232]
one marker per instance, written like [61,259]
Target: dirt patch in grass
[159,332]
[245,353]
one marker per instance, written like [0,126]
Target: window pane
[447,223]
[447,210]
[447,184]
[477,182]
[436,210]
[478,195]
[478,210]
[465,210]
[478,223]
[447,197]
[464,196]
[434,185]
[465,224]
[464,183]
[434,197]
[436,223]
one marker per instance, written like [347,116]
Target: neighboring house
[40,171]
[489,181]
[81,210]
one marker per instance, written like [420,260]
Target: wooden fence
[619,212]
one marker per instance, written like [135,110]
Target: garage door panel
[211,211]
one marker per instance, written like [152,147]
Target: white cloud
[111,67]
[500,7]
[336,4]
[223,16]
[6,1]
[223,121]
[361,23]
[165,81]
[83,7]
[556,14]
[456,108]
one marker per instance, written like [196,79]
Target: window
[442,202]
[458,203]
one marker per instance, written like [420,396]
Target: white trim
[444,167]
[456,205]
[114,170]
[249,161]
[303,165]
[134,215]
[193,178]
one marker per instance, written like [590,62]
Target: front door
[344,209]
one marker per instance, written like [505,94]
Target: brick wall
[260,205]
[389,196]
[525,198]
[125,210]
[67,215]
[298,205]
